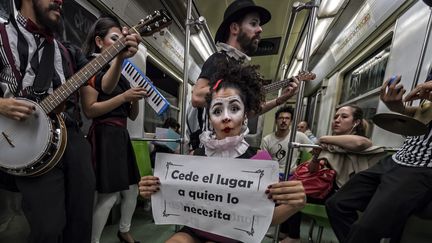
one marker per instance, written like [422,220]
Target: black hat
[238,9]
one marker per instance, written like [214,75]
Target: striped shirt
[416,151]
[20,63]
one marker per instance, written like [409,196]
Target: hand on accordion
[134,94]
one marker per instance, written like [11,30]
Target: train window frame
[369,100]
[364,100]
[151,119]
[365,78]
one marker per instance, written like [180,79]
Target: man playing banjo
[58,203]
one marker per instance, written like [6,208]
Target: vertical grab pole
[185,81]
[305,67]
[299,102]
[288,32]
[185,75]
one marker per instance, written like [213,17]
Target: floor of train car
[15,229]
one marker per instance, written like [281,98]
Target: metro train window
[169,88]
[367,76]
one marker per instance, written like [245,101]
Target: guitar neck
[78,79]
[276,85]
[146,27]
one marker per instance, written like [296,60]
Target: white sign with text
[222,196]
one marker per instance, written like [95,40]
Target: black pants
[291,226]
[387,194]
[59,204]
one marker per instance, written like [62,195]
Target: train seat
[318,215]
[142,155]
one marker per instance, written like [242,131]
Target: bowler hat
[235,11]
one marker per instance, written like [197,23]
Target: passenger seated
[348,136]
[348,150]
[303,127]
[389,192]
[236,93]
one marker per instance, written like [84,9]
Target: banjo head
[400,124]
[23,143]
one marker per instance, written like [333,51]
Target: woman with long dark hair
[109,101]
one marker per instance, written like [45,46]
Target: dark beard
[246,43]
[41,16]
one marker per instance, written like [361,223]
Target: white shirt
[278,148]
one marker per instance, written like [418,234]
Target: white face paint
[227,113]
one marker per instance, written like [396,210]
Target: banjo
[34,146]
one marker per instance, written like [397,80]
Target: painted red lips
[227,129]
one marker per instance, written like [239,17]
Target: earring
[211,129]
[245,121]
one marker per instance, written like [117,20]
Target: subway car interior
[351,46]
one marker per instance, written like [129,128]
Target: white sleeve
[264,144]
[304,140]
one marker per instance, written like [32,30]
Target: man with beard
[59,203]
[276,144]
[237,36]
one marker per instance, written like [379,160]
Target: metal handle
[313,5]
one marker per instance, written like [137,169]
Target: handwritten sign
[218,195]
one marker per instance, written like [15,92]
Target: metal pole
[422,54]
[299,102]
[304,145]
[203,23]
[185,80]
[312,121]
[287,34]
[185,75]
